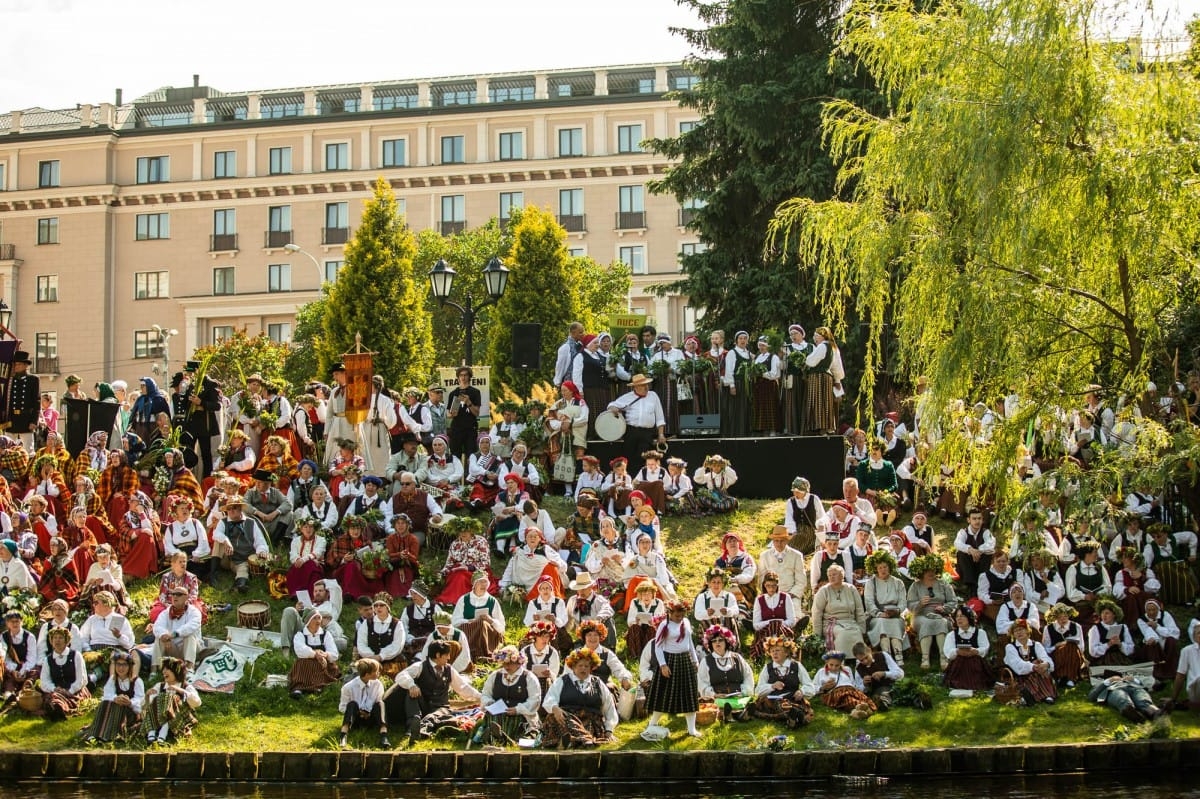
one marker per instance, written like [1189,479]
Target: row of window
[156,285]
[510,146]
[631,207]
[146,344]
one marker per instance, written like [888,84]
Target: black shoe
[384,743]
[241,585]
[297,694]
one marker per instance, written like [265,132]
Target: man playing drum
[644,419]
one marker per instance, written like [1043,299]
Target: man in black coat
[200,417]
[24,398]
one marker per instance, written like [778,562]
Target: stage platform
[765,466]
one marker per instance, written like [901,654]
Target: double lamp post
[441,279]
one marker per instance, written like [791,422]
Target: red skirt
[847,698]
[481,492]
[141,559]
[355,582]
[398,581]
[1069,662]
[764,413]
[302,577]
[636,638]
[458,582]
[1039,686]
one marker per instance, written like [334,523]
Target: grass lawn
[267,719]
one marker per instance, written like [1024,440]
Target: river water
[1143,786]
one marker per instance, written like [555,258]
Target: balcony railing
[687,216]
[631,220]
[573,223]
[8,252]
[335,235]
[278,238]
[45,366]
[222,242]
[450,228]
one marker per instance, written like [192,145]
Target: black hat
[337,367]
[264,475]
[21,356]
[408,437]
[176,379]
[191,366]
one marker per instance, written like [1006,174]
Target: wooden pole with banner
[360,369]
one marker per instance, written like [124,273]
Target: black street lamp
[441,280]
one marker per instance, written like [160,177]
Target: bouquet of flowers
[161,479]
[660,370]
[267,420]
[795,363]
[374,559]
[618,357]
[248,405]
[697,367]
[886,500]
[24,602]
[751,372]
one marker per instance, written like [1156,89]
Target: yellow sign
[620,324]
[359,371]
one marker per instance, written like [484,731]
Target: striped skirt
[578,728]
[1113,657]
[969,674]
[793,406]
[112,722]
[820,414]
[597,399]
[61,706]
[735,415]
[1165,657]
[636,638]
[764,417]
[310,674]
[1179,585]
[167,708]
[795,712]
[710,501]
[502,730]
[847,698]
[774,627]
[1069,662]
[678,693]
[1039,686]
[482,638]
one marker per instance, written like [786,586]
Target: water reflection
[1147,786]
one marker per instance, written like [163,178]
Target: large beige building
[177,210]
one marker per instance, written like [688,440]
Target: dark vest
[789,678]
[511,695]
[63,675]
[588,698]
[241,538]
[804,518]
[377,640]
[419,627]
[416,508]
[826,561]
[1057,638]
[1089,583]
[972,641]
[866,671]
[435,686]
[594,374]
[974,540]
[999,585]
[20,650]
[725,682]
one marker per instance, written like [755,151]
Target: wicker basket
[30,699]
[707,714]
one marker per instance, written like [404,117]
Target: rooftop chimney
[118,102]
[195,81]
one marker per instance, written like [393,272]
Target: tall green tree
[764,72]
[1027,207]
[378,295]
[234,358]
[539,290]
[302,363]
[599,289]
[467,252]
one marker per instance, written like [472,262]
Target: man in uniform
[24,398]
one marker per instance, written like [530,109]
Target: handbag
[625,703]
[564,468]
[1007,691]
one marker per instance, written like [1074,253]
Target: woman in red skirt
[964,655]
[1031,665]
[136,541]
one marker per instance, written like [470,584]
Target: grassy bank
[258,719]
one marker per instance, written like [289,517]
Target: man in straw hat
[645,423]
[787,563]
[236,539]
[177,630]
[588,605]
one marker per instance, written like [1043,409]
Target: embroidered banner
[359,371]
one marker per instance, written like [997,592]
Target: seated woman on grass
[169,705]
[580,711]
[120,710]
[964,655]
[723,673]
[1031,665]
[64,677]
[783,687]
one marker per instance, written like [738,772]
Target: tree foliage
[467,252]
[539,290]
[599,289]
[1027,206]
[302,363]
[764,72]
[378,295]
[239,355]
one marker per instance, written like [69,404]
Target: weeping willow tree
[1026,208]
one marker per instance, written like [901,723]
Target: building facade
[205,212]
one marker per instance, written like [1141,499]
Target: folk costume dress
[764,413]
[820,410]
[970,673]
[674,648]
[114,722]
[1064,643]
[482,620]
[789,704]
[589,712]
[1021,659]
[520,691]
[735,414]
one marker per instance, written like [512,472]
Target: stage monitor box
[527,346]
[699,425]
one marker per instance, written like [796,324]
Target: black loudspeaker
[527,346]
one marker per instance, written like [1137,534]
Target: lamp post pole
[441,279]
[294,248]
